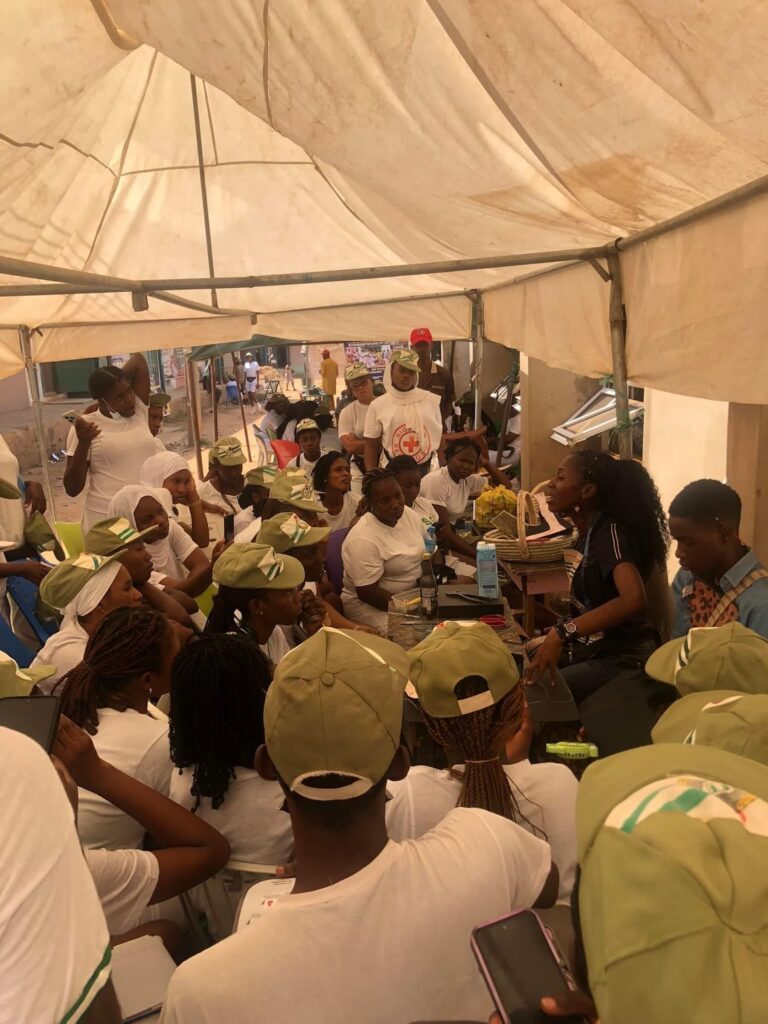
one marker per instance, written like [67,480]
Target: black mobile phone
[521,964]
[37,717]
[229,527]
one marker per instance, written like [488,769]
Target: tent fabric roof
[350,133]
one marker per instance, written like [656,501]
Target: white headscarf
[124,504]
[159,467]
[88,598]
[418,410]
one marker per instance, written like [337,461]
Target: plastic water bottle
[428,588]
[487,572]
[430,541]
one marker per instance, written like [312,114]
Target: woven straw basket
[518,548]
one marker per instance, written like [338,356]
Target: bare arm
[33,571]
[104,1009]
[353,445]
[191,850]
[199,578]
[548,894]
[449,536]
[76,473]
[165,604]
[371,452]
[339,621]
[137,372]
[499,478]
[199,532]
[375,595]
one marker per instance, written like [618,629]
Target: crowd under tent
[584,182]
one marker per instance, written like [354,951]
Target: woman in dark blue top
[623,537]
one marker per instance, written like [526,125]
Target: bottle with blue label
[487,570]
[430,541]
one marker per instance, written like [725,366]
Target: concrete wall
[13,393]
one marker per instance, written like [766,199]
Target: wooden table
[407,629]
[533,578]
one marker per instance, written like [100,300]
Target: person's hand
[33,571]
[570,1004]
[192,497]
[219,549]
[313,612]
[358,627]
[34,497]
[86,431]
[545,659]
[69,784]
[518,746]
[74,748]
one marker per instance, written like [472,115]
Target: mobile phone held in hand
[36,717]
[521,964]
[229,527]
[70,416]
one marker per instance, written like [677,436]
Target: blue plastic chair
[24,593]
[13,647]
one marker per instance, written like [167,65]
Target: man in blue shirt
[719,580]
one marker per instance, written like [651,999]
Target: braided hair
[479,739]
[230,605]
[370,480]
[127,643]
[459,444]
[626,492]
[218,686]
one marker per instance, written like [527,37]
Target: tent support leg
[214,399]
[34,389]
[618,321]
[242,412]
[191,379]
[478,335]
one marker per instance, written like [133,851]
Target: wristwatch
[567,630]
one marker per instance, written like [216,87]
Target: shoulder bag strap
[735,592]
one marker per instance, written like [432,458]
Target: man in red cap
[432,377]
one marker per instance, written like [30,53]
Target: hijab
[124,504]
[159,467]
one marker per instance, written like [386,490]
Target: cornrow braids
[229,605]
[218,686]
[371,478]
[479,739]
[127,643]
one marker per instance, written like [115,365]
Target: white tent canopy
[351,133]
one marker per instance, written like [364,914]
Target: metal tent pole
[34,390]
[477,353]
[191,380]
[618,321]
[242,410]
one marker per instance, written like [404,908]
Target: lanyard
[582,563]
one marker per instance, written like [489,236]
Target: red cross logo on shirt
[411,444]
[406,441]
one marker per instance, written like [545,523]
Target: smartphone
[229,527]
[520,963]
[36,717]
[70,416]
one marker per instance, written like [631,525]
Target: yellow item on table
[491,502]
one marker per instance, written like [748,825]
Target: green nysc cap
[159,400]
[292,487]
[452,651]
[673,846]
[18,682]
[227,451]
[354,371]
[112,536]
[736,722]
[65,581]
[260,476]
[729,657]
[285,531]
[407,358]
[257,567]
[335,707]
[306,424]
[9,490]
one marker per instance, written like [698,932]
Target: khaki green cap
[673,843]
[736,722]
[453,651]
[728,657]
[227,451]
[18,682]
[336,706]
[260,476]
[354,371]
[113,535]
[257,567]
[406,358]
[286,531]
[65,581]
[292,486]
[9,490]
[159,400]
[306,424]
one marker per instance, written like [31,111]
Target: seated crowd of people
[230,709]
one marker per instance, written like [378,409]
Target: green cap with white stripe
[729,657]
[286,531]
[673,843]
[736,722]
[113,535]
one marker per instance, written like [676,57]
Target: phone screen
[229,527]
[519,966]
[36,717]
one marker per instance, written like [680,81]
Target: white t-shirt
[12,518]
[343,518]
[276,647]
[388,420]
[441,489]
[54,944]
[168,558]
[388,945]
[64,650]
[115,459]
[207,492]
[125,881]
[545,795]
[389,555]
[137,744]
[351,420]
[271,422]
[250,818]
[245,532]
[302,462]
[425,510]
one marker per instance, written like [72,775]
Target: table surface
[532,568]
[407,629]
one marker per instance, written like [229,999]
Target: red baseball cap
[419,334]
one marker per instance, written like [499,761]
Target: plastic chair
[212,907]
[13,647]
[71,537]
[24,593]
[334,565]
[284,452]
